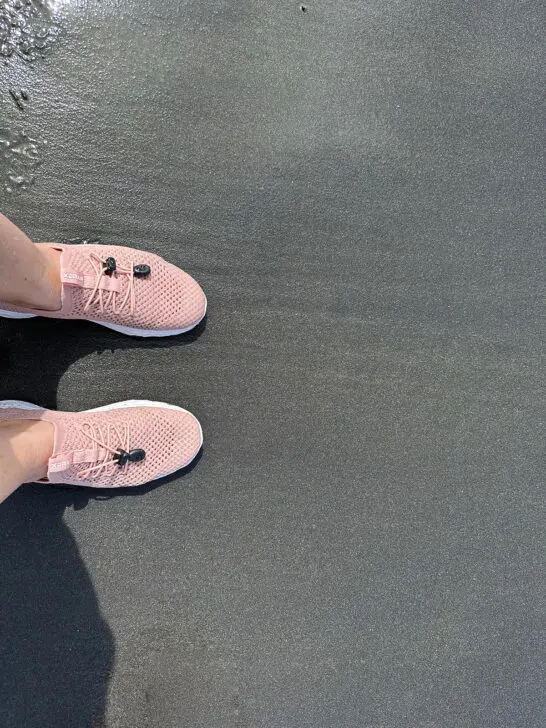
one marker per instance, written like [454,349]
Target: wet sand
[358,189]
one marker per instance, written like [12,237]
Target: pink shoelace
[109,298]
[108,466]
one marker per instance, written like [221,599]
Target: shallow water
[21,155]
[28,28]
[28,31]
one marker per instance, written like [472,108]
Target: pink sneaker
[122,444]
[128,290]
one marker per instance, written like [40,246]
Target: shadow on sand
[56,650]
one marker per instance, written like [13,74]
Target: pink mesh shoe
[123,444]
[128,290]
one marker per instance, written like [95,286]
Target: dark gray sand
[358,187]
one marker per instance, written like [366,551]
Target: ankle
[49,287]
[25,449]
[38,282]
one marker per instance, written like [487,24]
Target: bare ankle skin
[30,273]
[51,288]
[25,448]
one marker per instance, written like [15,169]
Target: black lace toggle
[122,457]
[110,266]
[142,270]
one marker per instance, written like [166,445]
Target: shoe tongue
[75,259]
[74,266]
[79,271]
[59,446]
[71,450]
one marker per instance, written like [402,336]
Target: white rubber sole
[15,315]
[128,330]
[19,404]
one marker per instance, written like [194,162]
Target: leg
[29,273]
[25,448]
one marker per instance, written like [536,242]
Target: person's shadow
[56,650]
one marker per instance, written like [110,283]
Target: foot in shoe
[128,290]
[123,444]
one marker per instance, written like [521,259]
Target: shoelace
[109,466]
[109,298]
